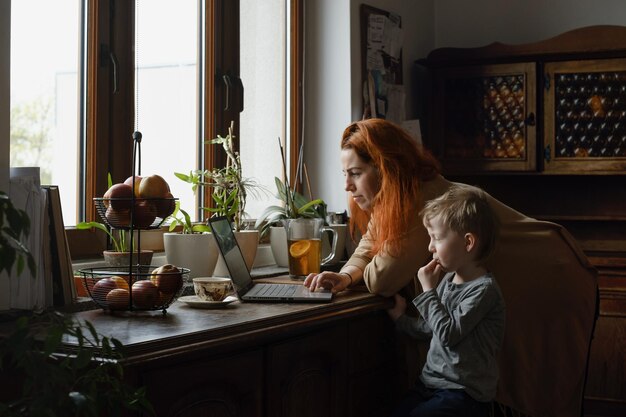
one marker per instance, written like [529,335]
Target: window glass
[166,77]
[44,93]
[263,73]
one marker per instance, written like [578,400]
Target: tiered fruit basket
[135,287]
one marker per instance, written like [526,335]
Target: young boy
[463,316]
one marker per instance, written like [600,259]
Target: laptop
[246,289]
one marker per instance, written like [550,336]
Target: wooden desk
[261,359]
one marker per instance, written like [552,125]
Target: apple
[145,294]
[166,206]
[145,213]
[167,278]
[118,196]
[153,186]
[135,187]
[118,299]
[120,282]
[165,299]
[101,289]
[118,217]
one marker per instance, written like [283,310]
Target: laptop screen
[231,252]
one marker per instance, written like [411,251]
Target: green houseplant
[294,206]
[120,244]
[230,189]
[84,381]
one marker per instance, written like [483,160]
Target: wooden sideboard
[256,359]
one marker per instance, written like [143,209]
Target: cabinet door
[374,380]
[307,375]
[230,386]
[585,116]
[484,118]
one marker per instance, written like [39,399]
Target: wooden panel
[606,380]
[307,375]
[218,387]
[374,386]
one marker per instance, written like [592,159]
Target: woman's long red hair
[402,165]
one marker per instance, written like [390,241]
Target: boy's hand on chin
[428,275]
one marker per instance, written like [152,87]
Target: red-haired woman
[548,284]
[388,176]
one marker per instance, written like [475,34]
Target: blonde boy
[463,314]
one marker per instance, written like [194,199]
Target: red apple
[145,213]
[145,294]
[166,206]
[164,299]
[167,279]
[101,289]
[118,218]
[118,299]
[129,181]
[118,196]
[153,186]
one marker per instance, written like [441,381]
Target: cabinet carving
[228,386]
[307,375]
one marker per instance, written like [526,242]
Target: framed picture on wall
[381,63]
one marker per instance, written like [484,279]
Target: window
[264,72]
[44,129]
[160,69]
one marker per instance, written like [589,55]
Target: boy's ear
[470,241]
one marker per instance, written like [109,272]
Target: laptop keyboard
[272,290]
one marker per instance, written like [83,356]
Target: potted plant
[193,247]
[230,190]
[294,206]
[48,381]
[121,247]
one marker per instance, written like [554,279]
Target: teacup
[212,288]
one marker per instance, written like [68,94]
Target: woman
[548,284]
[388,177]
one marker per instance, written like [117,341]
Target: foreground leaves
[56,382]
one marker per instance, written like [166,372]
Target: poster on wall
[381,62]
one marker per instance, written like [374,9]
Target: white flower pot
[248,241]
[196,251]
[278,243]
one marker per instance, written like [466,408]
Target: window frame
[108,141]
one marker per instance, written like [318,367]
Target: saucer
[195,302]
